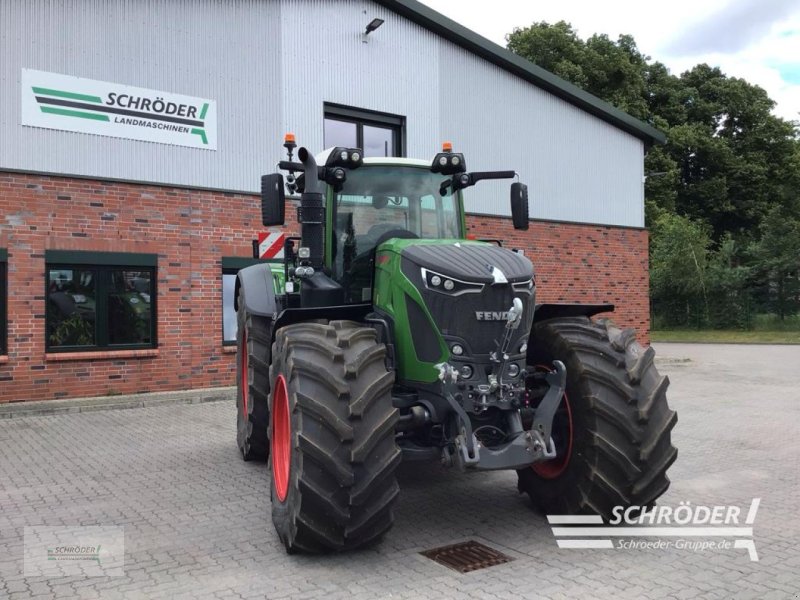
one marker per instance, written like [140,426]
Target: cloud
[733,28]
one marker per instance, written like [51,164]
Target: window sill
[229,349]
[3,359]
[102,355]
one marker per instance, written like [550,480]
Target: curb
[79,405]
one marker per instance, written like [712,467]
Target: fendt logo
[69,103]
[491,315]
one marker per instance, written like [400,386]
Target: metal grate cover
[467,556]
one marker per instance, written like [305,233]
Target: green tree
[727,278]
[777,256]
[727,183]
[679,260]
[611,70]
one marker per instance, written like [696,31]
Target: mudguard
[543,312]
[259,290]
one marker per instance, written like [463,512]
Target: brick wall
[191,231]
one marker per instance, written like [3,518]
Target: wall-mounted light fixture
[371,26]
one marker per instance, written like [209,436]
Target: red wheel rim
[280,439]
[551,469]
[243,375]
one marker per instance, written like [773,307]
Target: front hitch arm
[543,418]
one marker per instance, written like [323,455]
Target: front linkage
[525,446]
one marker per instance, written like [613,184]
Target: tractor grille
[455,316]
[467,556]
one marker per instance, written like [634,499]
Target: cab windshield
[377,203]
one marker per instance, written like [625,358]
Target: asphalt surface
[196,518]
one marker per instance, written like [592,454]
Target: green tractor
[387,335]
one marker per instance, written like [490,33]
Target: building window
[100,300]
[3,302]
[377,134]
[230,268]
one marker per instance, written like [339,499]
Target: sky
[757,40]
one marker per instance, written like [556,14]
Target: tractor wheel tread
[378,433]
[614,454]
[317,345]
[641,364]
[363,360]
[314,492]
[656,396]
[326,417]
[619,405]
[322,456]
[626,424]
[604,484]
[311,370]
[656,437]
[657,469]
[307,526]
[384,503]
[367,486]
[342,484]
[252,429]
[374,391]
[607,379]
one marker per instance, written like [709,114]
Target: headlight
[457,349]
[466,372]
[513,370]
[448,163]
[446,285]
[348,158]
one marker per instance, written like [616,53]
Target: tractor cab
[385,199]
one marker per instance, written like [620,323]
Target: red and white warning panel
[270,245]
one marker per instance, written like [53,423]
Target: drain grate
[467,556]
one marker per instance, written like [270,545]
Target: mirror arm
[481,175]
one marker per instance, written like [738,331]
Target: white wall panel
[226,50]
[271,64]
[577,167]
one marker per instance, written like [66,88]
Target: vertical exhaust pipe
[312,210]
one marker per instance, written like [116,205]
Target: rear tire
[252,383]
[620,446]
[332,434]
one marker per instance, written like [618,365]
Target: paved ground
[196,518]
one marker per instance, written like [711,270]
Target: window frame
[103,263]
[361,117]
[3,302]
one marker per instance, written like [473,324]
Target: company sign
[84,105]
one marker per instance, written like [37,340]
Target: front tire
[619,422]
[252,383]
[332,435]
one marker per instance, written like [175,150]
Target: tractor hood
[474,262]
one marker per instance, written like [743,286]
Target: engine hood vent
[479,263]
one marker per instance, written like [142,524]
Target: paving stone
[197,518]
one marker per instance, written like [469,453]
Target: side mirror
[519,205]
[273,200]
